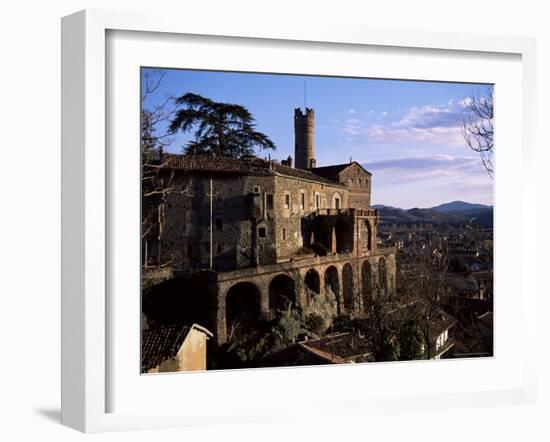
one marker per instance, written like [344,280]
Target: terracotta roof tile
[161,343]
[340,345]
[252,165]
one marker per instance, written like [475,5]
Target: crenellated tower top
[304,128]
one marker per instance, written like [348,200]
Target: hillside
[482,216]
[459,206]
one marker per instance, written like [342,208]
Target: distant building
[174,348]
[439,331]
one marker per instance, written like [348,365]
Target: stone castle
[273,234]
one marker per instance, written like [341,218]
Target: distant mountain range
[455,212]
[459,206]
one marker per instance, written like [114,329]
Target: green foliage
[220,129]
[264,337]
[315,324]
[389,350]
[342,323]
[412,341]
[379,329]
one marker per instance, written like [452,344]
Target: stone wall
[358,293]
[304,133]
[256,219]
[359,183]
[288,210]
[257,215]
[242,233]
[190,357]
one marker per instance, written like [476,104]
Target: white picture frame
[86,316]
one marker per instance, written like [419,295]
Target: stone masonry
[268,231]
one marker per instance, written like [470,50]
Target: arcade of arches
[349,284]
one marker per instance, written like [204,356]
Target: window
[219,224]
[269,201]
[284,233]
[336,201]
[261,232]
[256,189]
[317,201]
[302,200]
[287,201]
[360,182]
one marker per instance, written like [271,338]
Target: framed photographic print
[291,210]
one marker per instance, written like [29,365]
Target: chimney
[304,137]
[289,161]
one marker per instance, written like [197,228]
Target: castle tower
[303,135]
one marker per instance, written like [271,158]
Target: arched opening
[242,307]
[368,235]
[382,275]
[281,293]
[366,279]
[343,233]
[332,285]
[347,282]
[336,201]
[312,281]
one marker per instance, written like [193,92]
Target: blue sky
[407,133]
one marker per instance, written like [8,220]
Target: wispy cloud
[353,126]
[430,124]
[450,115]
[449,177]
[450,136]
[428,167]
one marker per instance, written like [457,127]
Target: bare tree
[157,180]
[477,130]
[153,117]
[423,289]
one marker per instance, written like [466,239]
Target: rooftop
[340,347]
[333,171]
[161,343]
[250,165]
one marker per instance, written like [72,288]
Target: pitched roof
[330,358]
[208,163]
[304,174]
[248,166]
[334,170]
[163,342]
[340,346]
[294,355]
[440,322]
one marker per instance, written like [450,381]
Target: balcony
[344,212]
